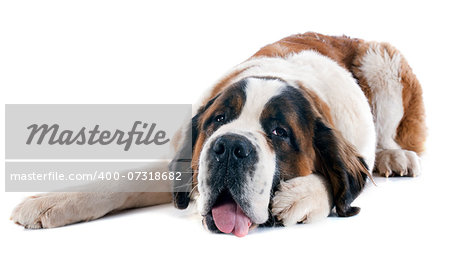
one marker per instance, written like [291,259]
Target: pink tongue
[229,217]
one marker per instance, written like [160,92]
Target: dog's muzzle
[232,159]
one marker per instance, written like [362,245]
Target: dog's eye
[280,132]
[219,118]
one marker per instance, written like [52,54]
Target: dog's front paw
[302,199]
[54,210]
[401,162]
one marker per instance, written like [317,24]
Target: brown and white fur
[363,112]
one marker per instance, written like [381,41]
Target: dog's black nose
[232,146]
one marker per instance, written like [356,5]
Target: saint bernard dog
[290,135]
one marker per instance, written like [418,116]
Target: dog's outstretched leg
[59,209]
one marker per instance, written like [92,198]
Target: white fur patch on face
[382,73]
[258,93]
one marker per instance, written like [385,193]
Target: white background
[169,52]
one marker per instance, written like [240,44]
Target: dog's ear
[182,161]
[339,162]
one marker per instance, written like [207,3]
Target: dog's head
[250,136]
